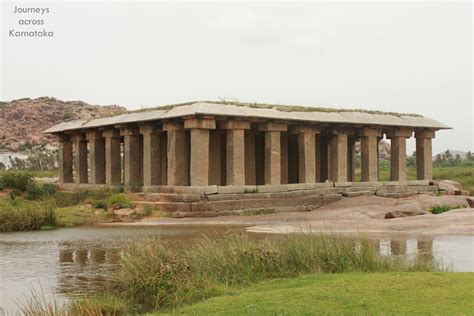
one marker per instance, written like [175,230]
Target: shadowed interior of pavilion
[209,158]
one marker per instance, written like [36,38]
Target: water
[70,261]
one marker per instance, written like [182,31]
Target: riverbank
[354,293]
[363,214]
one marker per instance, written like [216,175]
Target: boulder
[450,186]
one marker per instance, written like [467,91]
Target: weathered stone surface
[398,158]
[204,123]
[113,172]
[235,157]
[424,154]
[357,193]
[199,157]
[330,198]
[80,160]
[369,158]
[177,169]
[65,161]
[397,214]
[272,158]
[338,161]
[96,157]
[307,157]
[151,155]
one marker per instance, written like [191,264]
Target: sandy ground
[364,214]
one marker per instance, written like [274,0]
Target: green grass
[438,209]
[80,215]
[156,276]
[350,293]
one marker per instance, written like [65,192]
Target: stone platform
[210,201]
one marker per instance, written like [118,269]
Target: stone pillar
[250,172]
[398,153]
[322,158]
[80,159]
[273,151]
[215,157]
[151,154]
[132,150]
[113,170]
[176,148]
[96,157]
[338,156]
[351,158]
[199,163]
[235,154]
[369,153]
[306,154]
[424,168]
[65,159]
[284,157]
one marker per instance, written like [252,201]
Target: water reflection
[77,260]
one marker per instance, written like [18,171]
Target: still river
[74,260]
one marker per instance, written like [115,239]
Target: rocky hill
[23,121]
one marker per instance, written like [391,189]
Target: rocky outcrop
[23,121]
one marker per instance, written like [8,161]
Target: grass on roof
[283,108]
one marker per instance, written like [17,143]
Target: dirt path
[351,215]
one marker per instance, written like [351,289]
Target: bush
[26,216]
[35,191]
[16,180]
[120,199]
[100,204]
[438,209]
[65,199]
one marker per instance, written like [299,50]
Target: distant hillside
[22,121]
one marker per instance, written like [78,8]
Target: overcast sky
[404,57]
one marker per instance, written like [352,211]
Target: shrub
[100,204]
[26,216]
[65,199]
[438,209]
[16,180]
[119,198]
[35,191]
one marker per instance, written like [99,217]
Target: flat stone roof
[225,109]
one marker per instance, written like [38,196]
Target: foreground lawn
[348,293]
